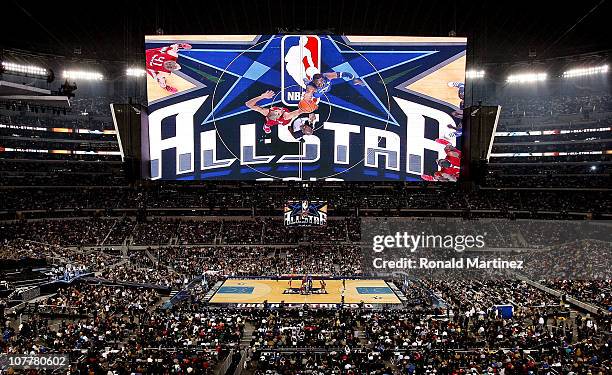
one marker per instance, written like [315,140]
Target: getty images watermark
[458,243]
[486,248]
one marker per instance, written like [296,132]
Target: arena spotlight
[527,77]
[581,72]
[135,72]
[474,74]
[83,75]
[593,168]
[29,70]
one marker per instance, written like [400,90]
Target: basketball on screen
[308,105]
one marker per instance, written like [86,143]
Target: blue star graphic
[245,70]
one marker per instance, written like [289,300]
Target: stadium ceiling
[498,30]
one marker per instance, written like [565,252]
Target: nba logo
[300,60]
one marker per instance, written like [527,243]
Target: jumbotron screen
[304,107]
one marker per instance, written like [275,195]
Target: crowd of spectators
[342,201]
[301,329]
[89,299]
[595,292]
[200,231]
[557,239]
[93,106]
[478,297]
[585,259]
[416,340]
[131,272]
[554,105]
[123,330]
[39,143]
[126,329]
[154,232]
[587,175]
[73,120]
[500,233]
[448,326]
[59,258]
[325,259]
[120,232]
[552,113]
[69,232]
[158,231]
[119,320]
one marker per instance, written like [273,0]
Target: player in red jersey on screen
[161,62]
[458,114]
[450,166]
[274,115]
[453,155]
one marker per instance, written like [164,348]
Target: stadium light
[580,72]
[80,74]
[135,72]
[474,74]
[527,77]
[10,67]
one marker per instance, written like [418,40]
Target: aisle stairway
[247,336]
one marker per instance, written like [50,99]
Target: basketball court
[276,291]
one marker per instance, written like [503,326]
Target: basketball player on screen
[161,62]
[450,166]
[273,115]
[303,125]
[458,114]
[321,83]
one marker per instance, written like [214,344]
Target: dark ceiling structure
[498,31]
